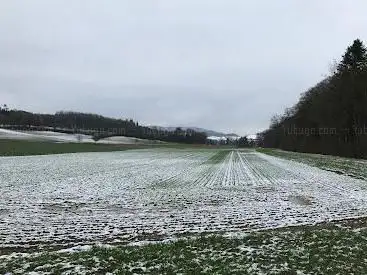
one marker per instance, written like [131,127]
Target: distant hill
[196,129]
[97,126]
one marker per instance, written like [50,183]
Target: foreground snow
[329,248]
[120,197]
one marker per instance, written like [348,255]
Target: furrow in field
[216,178]
[188,175]
[228,173]
[210,170]
[256,177]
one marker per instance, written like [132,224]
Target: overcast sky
[223,65]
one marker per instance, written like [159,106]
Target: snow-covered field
[50,136]
[154,194]
[128,140]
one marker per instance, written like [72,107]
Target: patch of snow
[49,136]
[127,140]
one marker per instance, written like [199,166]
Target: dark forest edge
[330,118]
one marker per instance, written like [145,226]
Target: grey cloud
[226,65]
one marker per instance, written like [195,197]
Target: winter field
[50,136]
[169,210]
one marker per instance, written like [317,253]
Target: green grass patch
[321,249]
[24,148]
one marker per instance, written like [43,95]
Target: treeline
[96,125]
[330,118]
[241,142]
